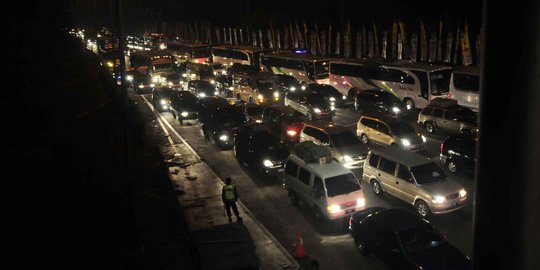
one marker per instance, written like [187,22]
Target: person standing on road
[229,196]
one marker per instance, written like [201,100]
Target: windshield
[344,139]
[162,67]
[321,70]
[254,110]
[419,240]
[205,86]
[341,185]
[318,102]
[428,173]
[187,98]
[466,82]
[265,84]
[326,90]
[390,99]
[287,81]
[200,53]
[269,143]
[400,128]
[206,72]
[440,81]
[231,117]
[218,66]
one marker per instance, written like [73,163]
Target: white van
[332,190]
[465,87]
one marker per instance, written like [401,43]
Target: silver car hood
[353,150]
[442,188]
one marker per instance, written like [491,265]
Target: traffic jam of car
[331,139]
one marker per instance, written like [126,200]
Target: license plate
[348,211]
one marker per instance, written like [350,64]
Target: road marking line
[261,226]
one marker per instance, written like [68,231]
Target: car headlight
[155,79]
[439,199]
[260,97]
[129,78]
[268,163]
[184,75]
[215,72]
[162,46]
[163,102]
[184,114]
[333,108]
[141,86]
[202,95]
[216,93]
[332,99]
[110,64]
[170,83]
[231,88]
[224,72]
[396,109]
[291,133]
[303,87]
[333,208]
[347,158]
[424,138]
[462,193]
[292,88]
[317,110]
[223,138]
[344,97]
[405,142]
[276,94]
[152,85]
[212,81]
[361,202]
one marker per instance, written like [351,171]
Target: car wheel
[422,208]
[360,246]
[452,166]
[376,187]
[364,138]
[430,127]
[293,198]
[409,103]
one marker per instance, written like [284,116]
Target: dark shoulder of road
[80,203]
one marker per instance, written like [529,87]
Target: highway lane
[327,242]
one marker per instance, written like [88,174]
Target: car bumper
[449,206]
[356,164]
[344,213]
[414,147]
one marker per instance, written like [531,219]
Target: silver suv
[446,115]
[414,179]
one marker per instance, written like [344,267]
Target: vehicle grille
[452,196]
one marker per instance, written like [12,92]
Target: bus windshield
[440,81]
[321,70]
[200,53]
[466,82]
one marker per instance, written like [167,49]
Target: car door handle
[379,174]
[397,183]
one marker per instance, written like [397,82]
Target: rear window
[304,176]
[427,111]
[341,184]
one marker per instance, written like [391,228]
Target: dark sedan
[161,98]
[184,105]
[202,89]
[329,92]
[256,147]
[458,153]
[285,83]
[403,240]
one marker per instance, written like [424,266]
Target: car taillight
[350,222]
[442,148]
[294,129]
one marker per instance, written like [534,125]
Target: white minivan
[332,190]
[465,87]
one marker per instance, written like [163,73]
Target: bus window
[440,82]
[466,82]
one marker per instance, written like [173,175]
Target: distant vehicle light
[129,78]
[276,94]
[317,110]
[152,85]
[202,95]
[223,138]
[396,109]
[212,82]
[303,87]
[184,114]
[405,142]
[141,86]
[332,99]
[333,108]
[462,193]
[216,93]
[291,133]
[424,138]
[344,97]
[360,202]
[292,88]
[260,97]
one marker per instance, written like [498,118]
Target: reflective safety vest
[228,191]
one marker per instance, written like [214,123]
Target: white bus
[414,83]
[192,52]
[465,86]
[305,68]
[230,54]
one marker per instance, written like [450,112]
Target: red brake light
[442,148]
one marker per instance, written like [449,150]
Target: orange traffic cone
[299,251]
